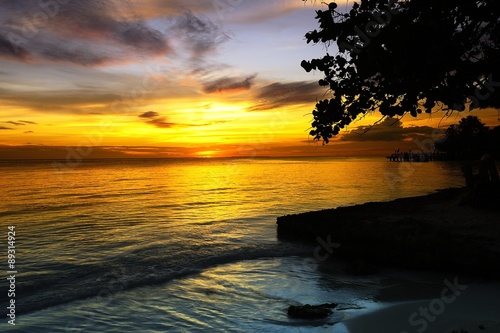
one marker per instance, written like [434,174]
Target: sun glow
[208,153]
[209,95]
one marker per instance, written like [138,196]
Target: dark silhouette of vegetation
[405,56]
[476,145]
[469,139]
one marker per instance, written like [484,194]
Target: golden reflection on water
[128,193]
[155,217]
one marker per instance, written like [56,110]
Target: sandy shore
[435,232]
[431,232]
[475,309]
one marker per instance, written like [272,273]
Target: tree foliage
[469,139]
[405,56]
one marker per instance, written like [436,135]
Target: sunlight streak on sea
[134,224]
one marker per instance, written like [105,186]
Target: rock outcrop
[430,232]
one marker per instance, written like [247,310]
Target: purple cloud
[200,34]
[88,32]
[277,95]
[388,130]
[228,84]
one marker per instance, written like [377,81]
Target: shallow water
[253,296]
[244,296]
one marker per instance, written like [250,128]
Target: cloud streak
[9,50]
[388,130]
[20,122]
[149,114]
[228,84]
[276,95]
[96,33]
[199,34]
[155,119]
[86,33]
[69,101]
[15,123]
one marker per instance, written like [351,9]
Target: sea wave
[58,283]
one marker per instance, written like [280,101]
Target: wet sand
[475,309]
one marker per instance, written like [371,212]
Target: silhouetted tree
[405,56]
[469,139]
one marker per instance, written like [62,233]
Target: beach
[438,234]
[476,310]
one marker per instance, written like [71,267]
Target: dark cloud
[199,34]
[21,122]
[28,132]
[149,114]
[5,128]
[388,130]
[114,20]
[156,119]
[161,122]
[77,53]
[9,48]
[142,37]
[277,95]
[228,84]
[88,32]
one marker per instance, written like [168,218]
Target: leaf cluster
[406,56]
[470,139]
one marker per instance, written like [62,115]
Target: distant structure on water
[410,156]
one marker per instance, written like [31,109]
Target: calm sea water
[184,245]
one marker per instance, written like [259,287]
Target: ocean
[185,245]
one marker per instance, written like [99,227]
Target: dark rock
[311,311]
[430,232]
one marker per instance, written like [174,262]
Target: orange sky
[173,79]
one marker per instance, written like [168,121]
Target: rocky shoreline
[430,232]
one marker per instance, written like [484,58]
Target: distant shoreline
[430,232]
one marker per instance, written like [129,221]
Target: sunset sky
[173,78]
